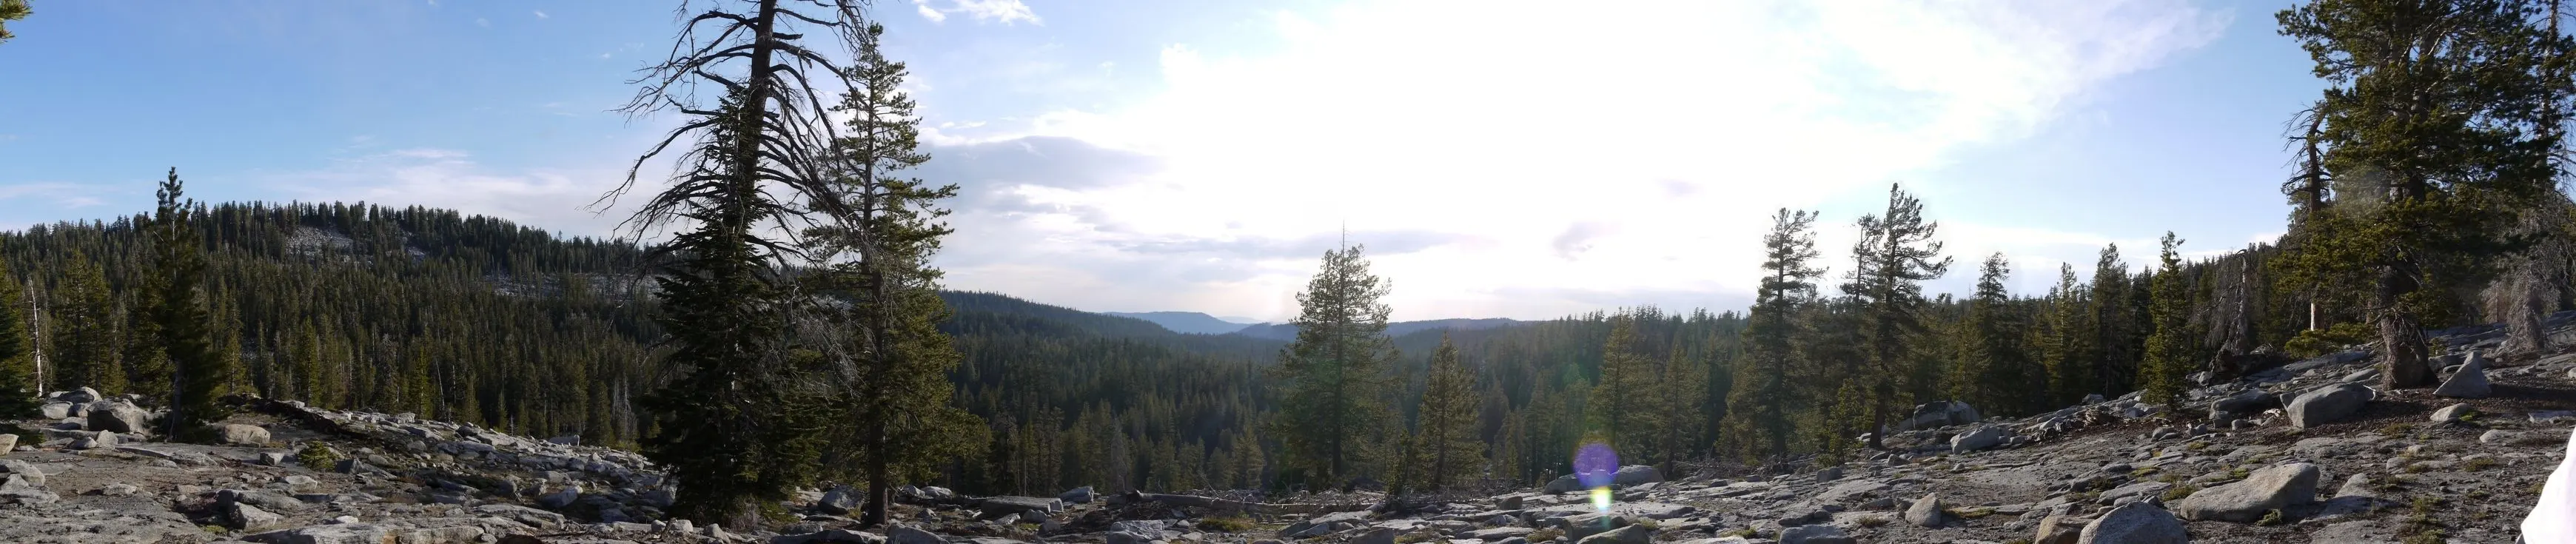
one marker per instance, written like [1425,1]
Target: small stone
[117,490]
[1928,512]
[2453,413]
[1815,534]
[2059,529]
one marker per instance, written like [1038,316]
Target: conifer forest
[772,316]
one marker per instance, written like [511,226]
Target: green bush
[317,456]
[2328,340]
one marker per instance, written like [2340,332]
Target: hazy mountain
[1187,322]
[1287,332]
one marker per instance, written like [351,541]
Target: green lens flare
[1601,499]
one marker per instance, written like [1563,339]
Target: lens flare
[1595,464]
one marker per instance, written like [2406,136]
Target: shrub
[1872,521]
[2270,518]
[317,456]
[2180,491]
[2313,343]
[2475,464]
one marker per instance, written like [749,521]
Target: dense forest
[2427,195]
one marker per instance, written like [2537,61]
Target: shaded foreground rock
[2328,404]
[2262,491]
[2135,523]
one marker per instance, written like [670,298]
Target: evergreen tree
[1987,372]
[85,331]
[1621,409]
[198,373]
[1893,258]
[2439,115]
[1681,406]
[12,10]
[2067,348]
[2111,361]
[2168,348]
[1764,390]
[1332,381]
[898,391]
[18,389]
[311,381]
[1447,435]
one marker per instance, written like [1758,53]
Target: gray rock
[996,506]
[839,500]
[1981,438]
[2469,383]
[2246,501]
[531,516]
[1633,534]
[2356,486]
[2552,416]
[2140,522]
[1079,495]
[238,434]
[23,470]
[1636,475]
[2453,413]
[1379,535]
[351,533]
[1928,512]
[829,536]
[911,535]
[1815,534]
[1580,527]
[2512,438]
[57,410]
[1938,414]
[245,517]
[119,416]
[2328,404]
[1564,484]
[2059,529]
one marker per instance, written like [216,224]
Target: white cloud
[541,14]
[995,11]
[482,22]
[56,195]
[1630,153]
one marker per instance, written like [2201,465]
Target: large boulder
[1633,534]
[119,416]
[1636,475]
[22,469]
[2470,382]
[1079,495]
[2140,522]
[2247,500]
[1814,534]
[1583,526]
[839,500]
[1940,414]
[238,434]
[1564,484]
[997,506]
[2059,529]
[2328,404]
[244,517]
[1981,438]
[1928,512]
[2247,402]
[911,535]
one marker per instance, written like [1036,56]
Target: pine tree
[18,389]
[1764,391]
[1682,407]
[2438,116]
[902,423]
[1447,436]
[1332,380]
[1992,370]
[1892,259]
[198,373]
[1621,409]
[2168,348]
[2066,347]
[12,10]
[85,338]
[306,361]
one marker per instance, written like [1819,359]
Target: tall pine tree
[2168,356]
[198,373]
[1333,381]
[1893,258]
[85,340]
[1447,441]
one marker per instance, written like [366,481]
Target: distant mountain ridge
[1288,333]
[1186,322]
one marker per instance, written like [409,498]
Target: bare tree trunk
[2401,339]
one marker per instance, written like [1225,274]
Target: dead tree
[2527,288]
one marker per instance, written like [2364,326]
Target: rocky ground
[2307,452]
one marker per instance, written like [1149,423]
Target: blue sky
[1501,159]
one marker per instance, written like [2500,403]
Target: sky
[1502,158]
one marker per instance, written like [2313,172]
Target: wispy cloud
[995,11]
[552,198]
[482,22]
[541,14]
[55,194]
